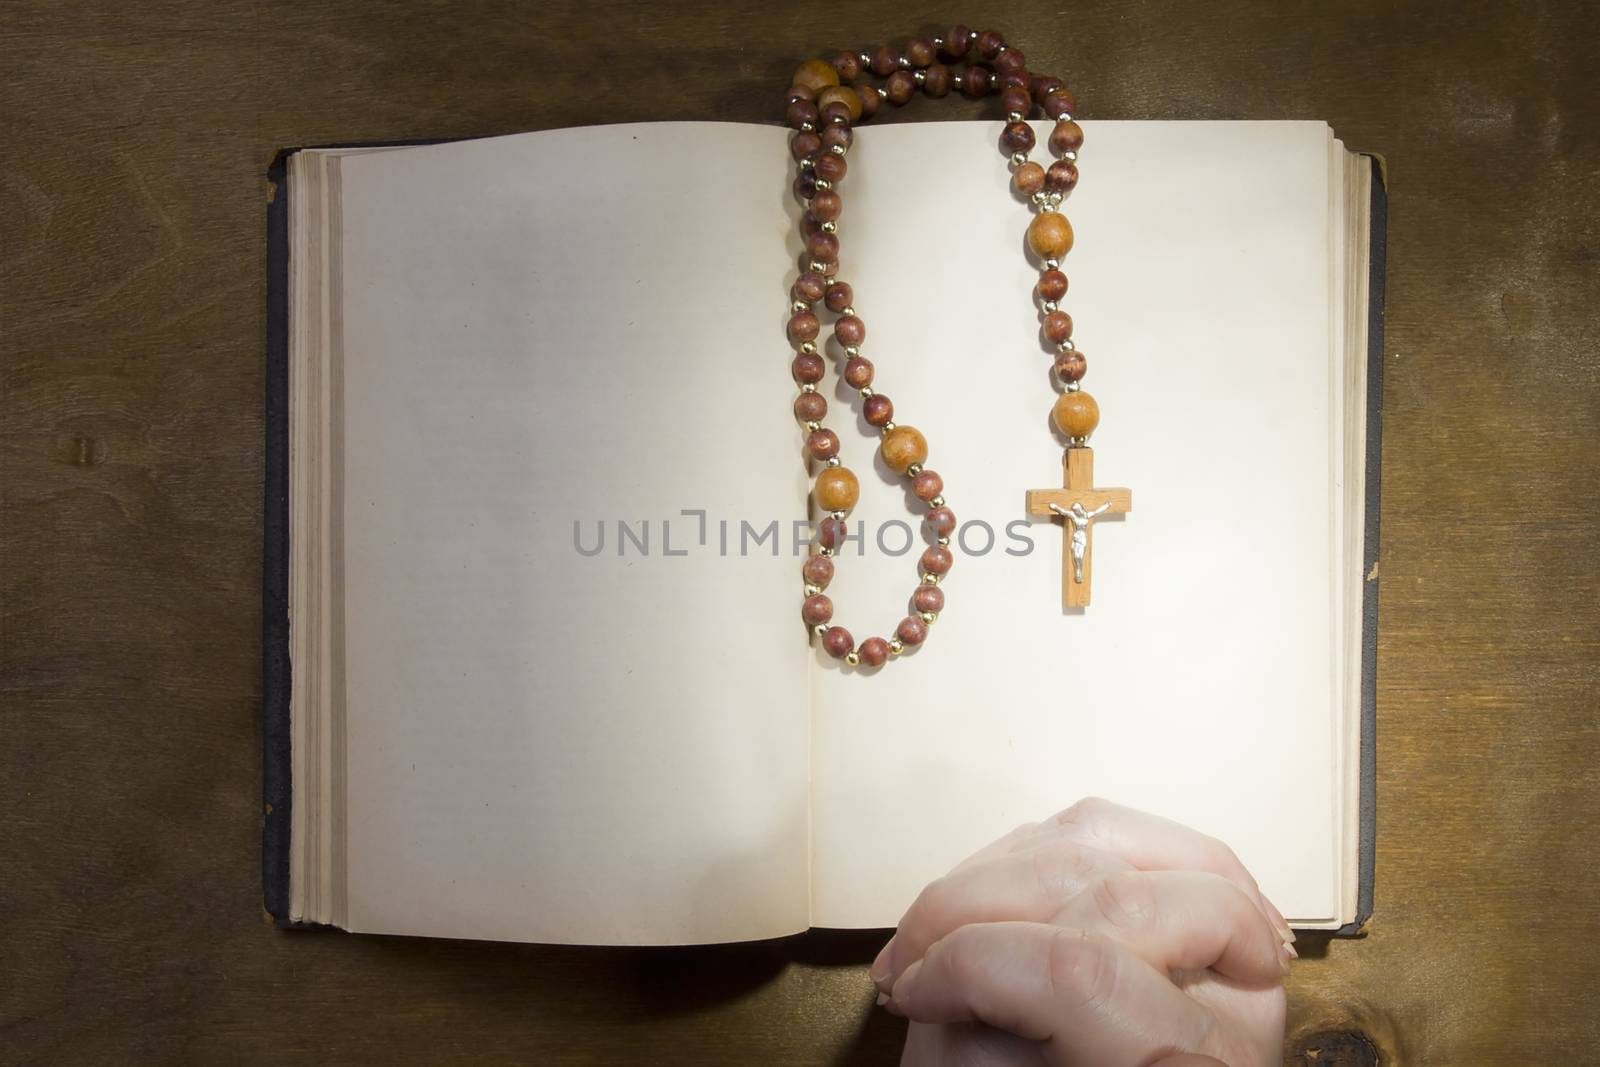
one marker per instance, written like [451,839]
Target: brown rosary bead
[928,598]
[809,223]
[885,61]
[803,327]
[1076,414]
[1071,367]
[1016,80]
[927,485]
[903,447]
[808,368]
[919,50]
[870,100]
[901,87]
[816,75]
[822,444]
[937,80]
[837,134]
[850,330]
[818,571]
[831,532]
[837,642]
[837,489]
[877,410]
[837,298]
[1052,285]
[816,610]
[827,204]
[874,652]
[810,407]
[1011,61]
[942,521]
[799,92]
[975,83]
[911,631]
[1057,327]
[1062,176]
[858,372]
[836,112]
[847,66]
[957,43]
[1066,137]
[809,287]
[1029,178]
[801,113]
[1016,137]
[830,166]
[1042,85]
[1060,102]
[937,559]
[823,247]
[804,144]
[805,185]
[840,94]
[1016,99]
[1050,235]
[990,43]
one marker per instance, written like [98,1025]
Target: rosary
[822,106]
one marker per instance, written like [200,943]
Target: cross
[1078,503]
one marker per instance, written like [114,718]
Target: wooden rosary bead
[804,145]
[808,368]
[830,166]
[1011,61]
[989,44]
[816,610]
[1057,327]
[928,598]
[831,532]
[1076,414]
[1052,285]
[975,83]
[1071,367]
[1042,85]
[840,94]
[1016,137]
[799,92]
[1060,102]
[822,444]
[827,204]
[870,101]
[1014,80]
[874,652]
[809,223]
[911,631]
[835,112]
[927,485]
[1062,176]
[903,447]
[957,43]
[942,521]
[1016,99]
[885,61]
[803,327]
[822,246]
[858,372]
[877,410]
[1050,235]
[810,407]
[919,50]
[809,287]
[818,571]
[901,87]
[805,185]
[847,66]
[816,75]
[838,133]
[1066,137]
[1029,178]
[937,80]
[936,559]
[800,114]
[850,330]
[837,489]
[837,298]
[837,642]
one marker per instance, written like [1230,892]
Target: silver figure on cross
[1080,520]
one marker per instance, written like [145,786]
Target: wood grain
[1077,481]
[131,317]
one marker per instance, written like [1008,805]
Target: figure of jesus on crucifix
[1080,520]
[1078,503]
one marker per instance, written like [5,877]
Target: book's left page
[570,712]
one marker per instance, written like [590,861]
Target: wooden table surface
[137,138]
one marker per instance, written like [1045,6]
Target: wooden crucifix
[1078,503]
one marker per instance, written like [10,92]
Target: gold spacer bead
[853,658]
[929,616]
[813,590]
[913,470]
[930,579]
[896,646]
[944,542]
[819,629]
[936,502]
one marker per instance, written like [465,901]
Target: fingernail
[1285,957]
[883,967]
[883,998]
[1290,950]
[904,989]
[1278,920]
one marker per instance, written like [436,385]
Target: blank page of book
[546,745]
[1199,684]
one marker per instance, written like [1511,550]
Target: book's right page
[1203,681]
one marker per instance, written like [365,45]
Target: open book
[537,510]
